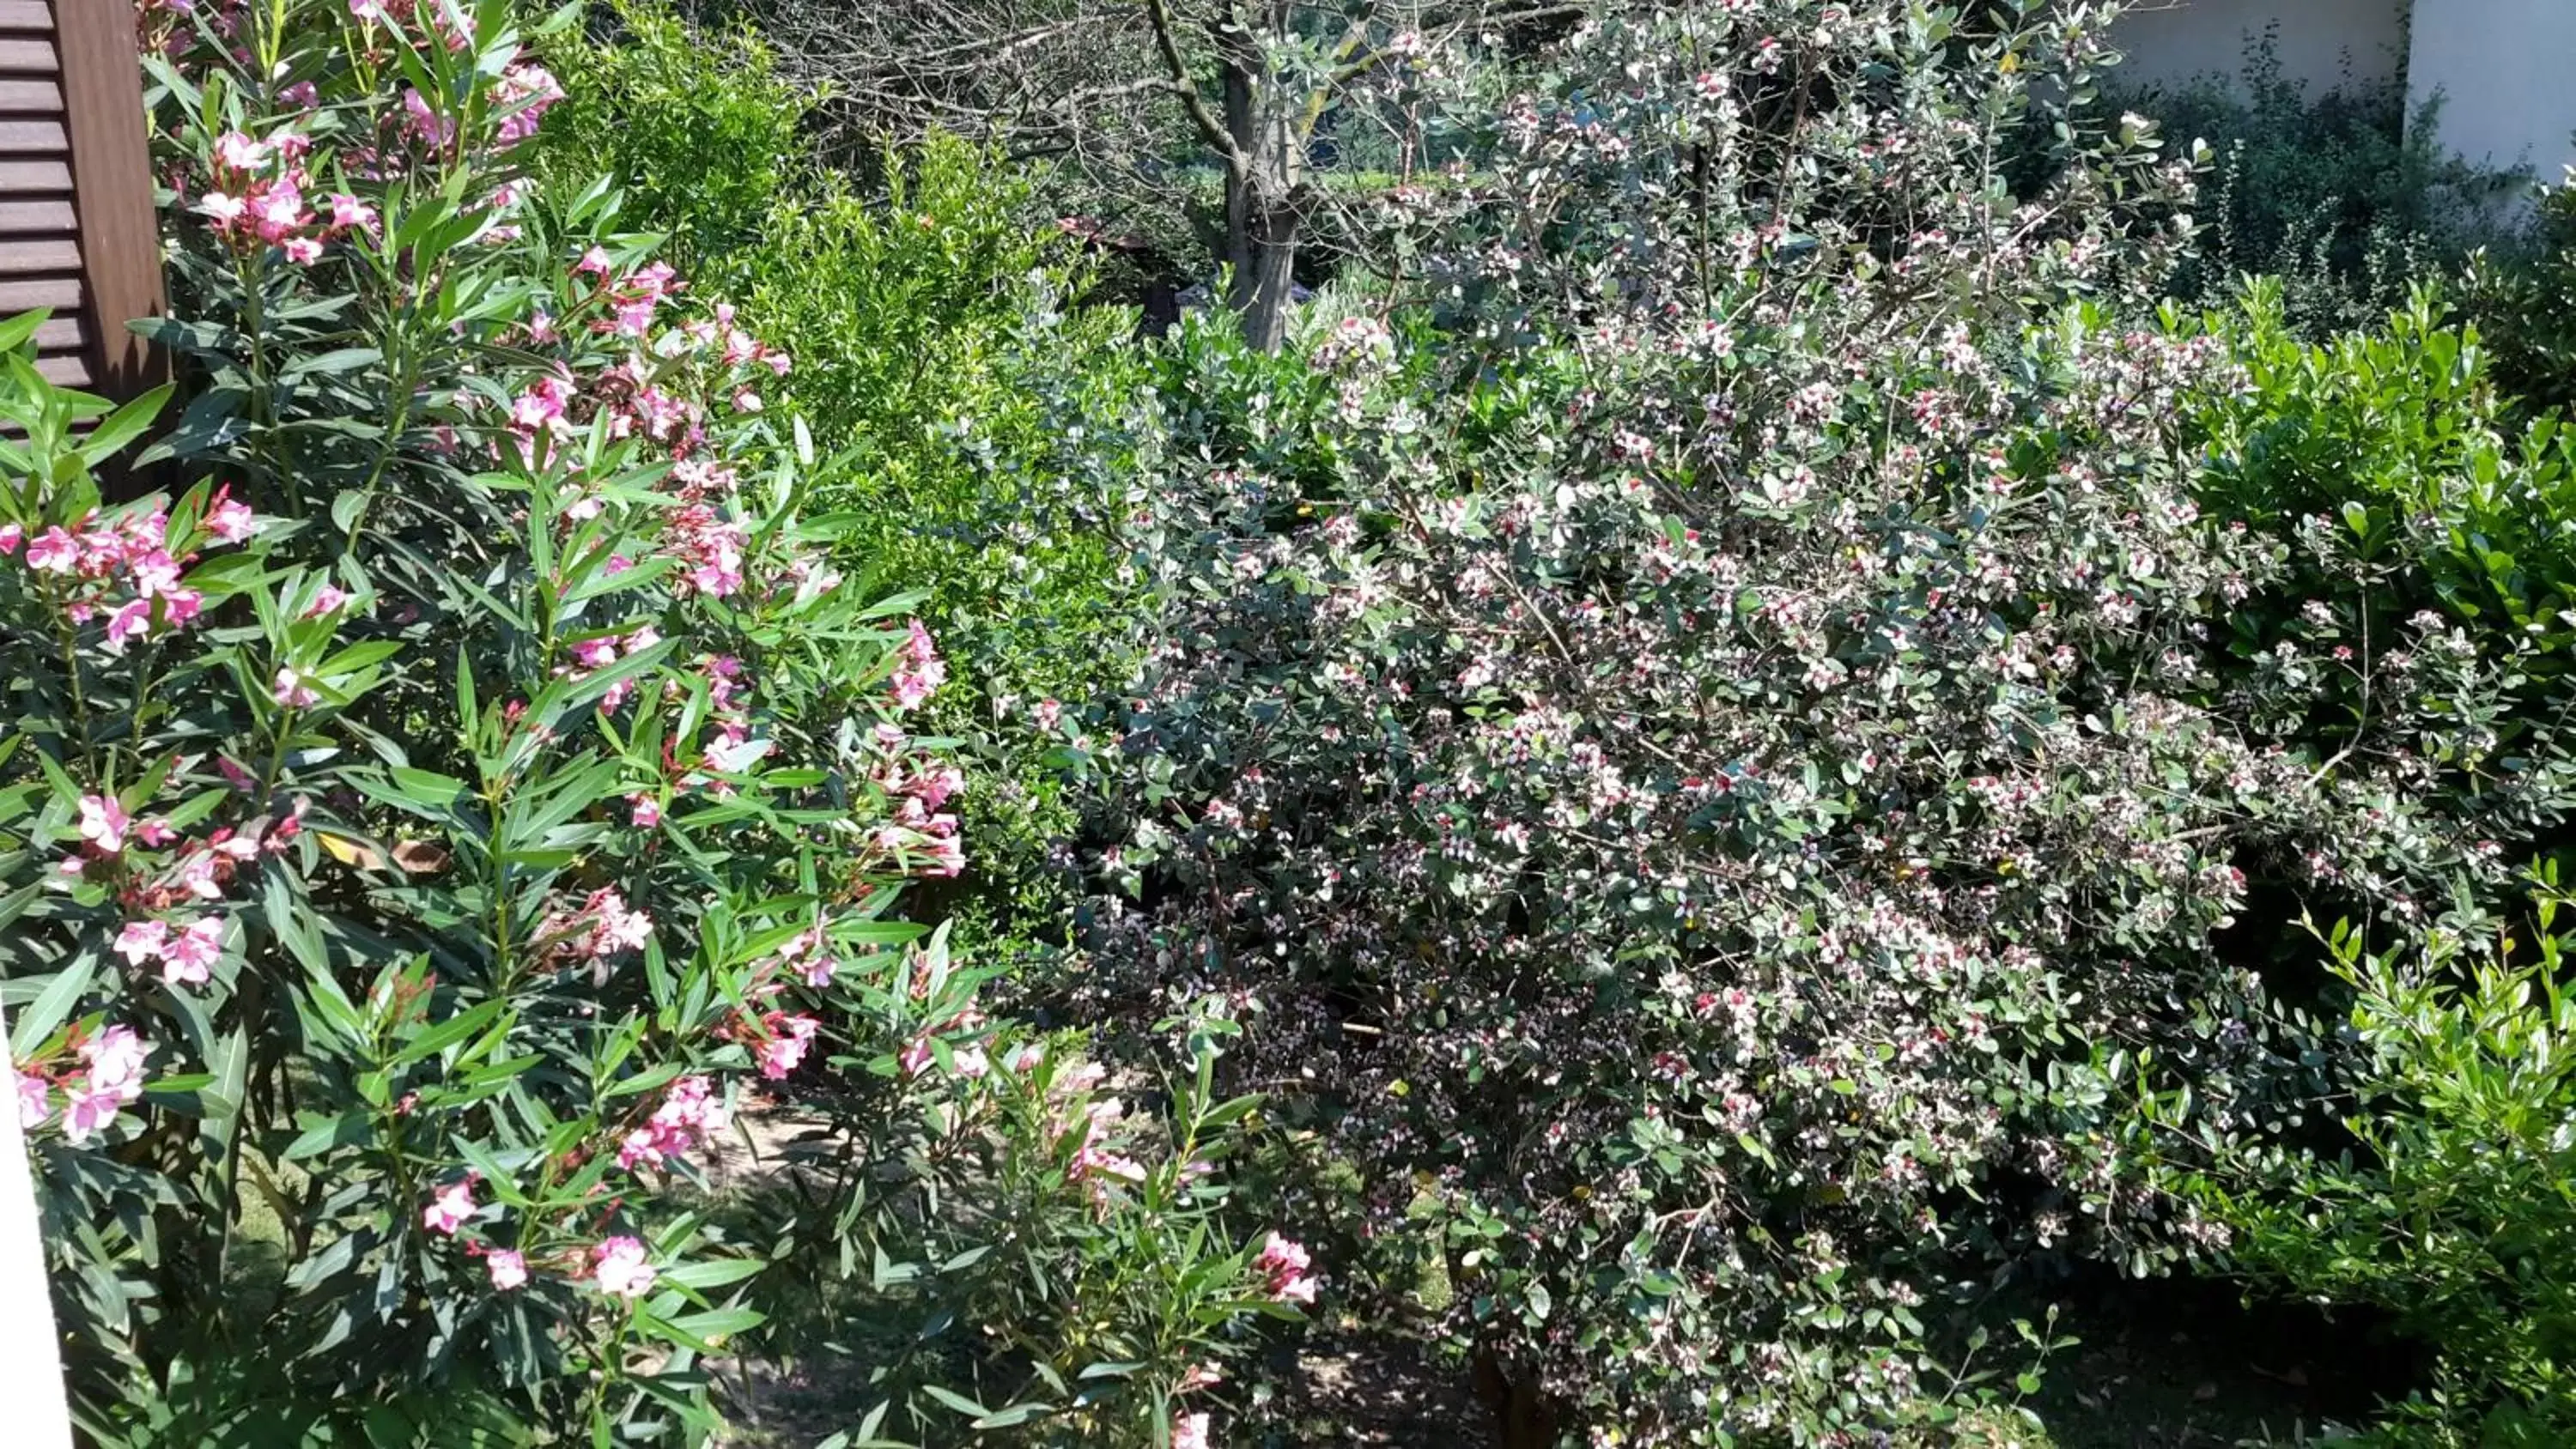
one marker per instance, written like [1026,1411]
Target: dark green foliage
[2452,1210]
[2420,1171]
[2403,435]
[2525,304]
[694,121]
[2344,195]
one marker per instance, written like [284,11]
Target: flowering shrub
[1711,728]
[427,834]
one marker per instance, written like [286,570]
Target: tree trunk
[1523,1417]
[1264,186]
[1264,274]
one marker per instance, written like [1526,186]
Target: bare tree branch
[1211,129]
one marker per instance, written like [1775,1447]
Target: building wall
[2506,71]
[2321,41]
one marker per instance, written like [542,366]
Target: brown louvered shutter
[77,231]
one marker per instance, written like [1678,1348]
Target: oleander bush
[453,777]
[1733,727]
[983,431]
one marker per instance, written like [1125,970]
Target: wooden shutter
[77,229]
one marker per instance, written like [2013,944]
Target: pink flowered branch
[260,195]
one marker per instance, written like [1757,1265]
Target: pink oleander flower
[709,547]
[278,213]
[237,152]
[329,599]
[201,875]
[809,955]
[1191,1432]
[643,811]
[231,521]
[915,1058]
[87,1111]
[1283,1262]
[614,928]
[189,958]
[790,1037]
[508,1269]
[1101,1162]
[11,535]
[142,941]
[918,670]
[178,606]
[530,87]
[621,1269]
[690,1113]
[294,689]
[54,551]
[933,787]
[128,623]
[34,1100]
[1199,1376]
[302,93]
[448,1210]
[947,852]
[425,124]
[115,1057]
[304,251]
[103,822]
[222,209]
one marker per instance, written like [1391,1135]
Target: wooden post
[120,236]
[78,236]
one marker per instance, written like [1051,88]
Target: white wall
[2507,73]
[2321,41]
[31,1366]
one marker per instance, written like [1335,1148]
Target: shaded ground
[2165,1365]
[2185,1364]
[1350,1387]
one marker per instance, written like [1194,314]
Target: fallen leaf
[348,850]
[421,857]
